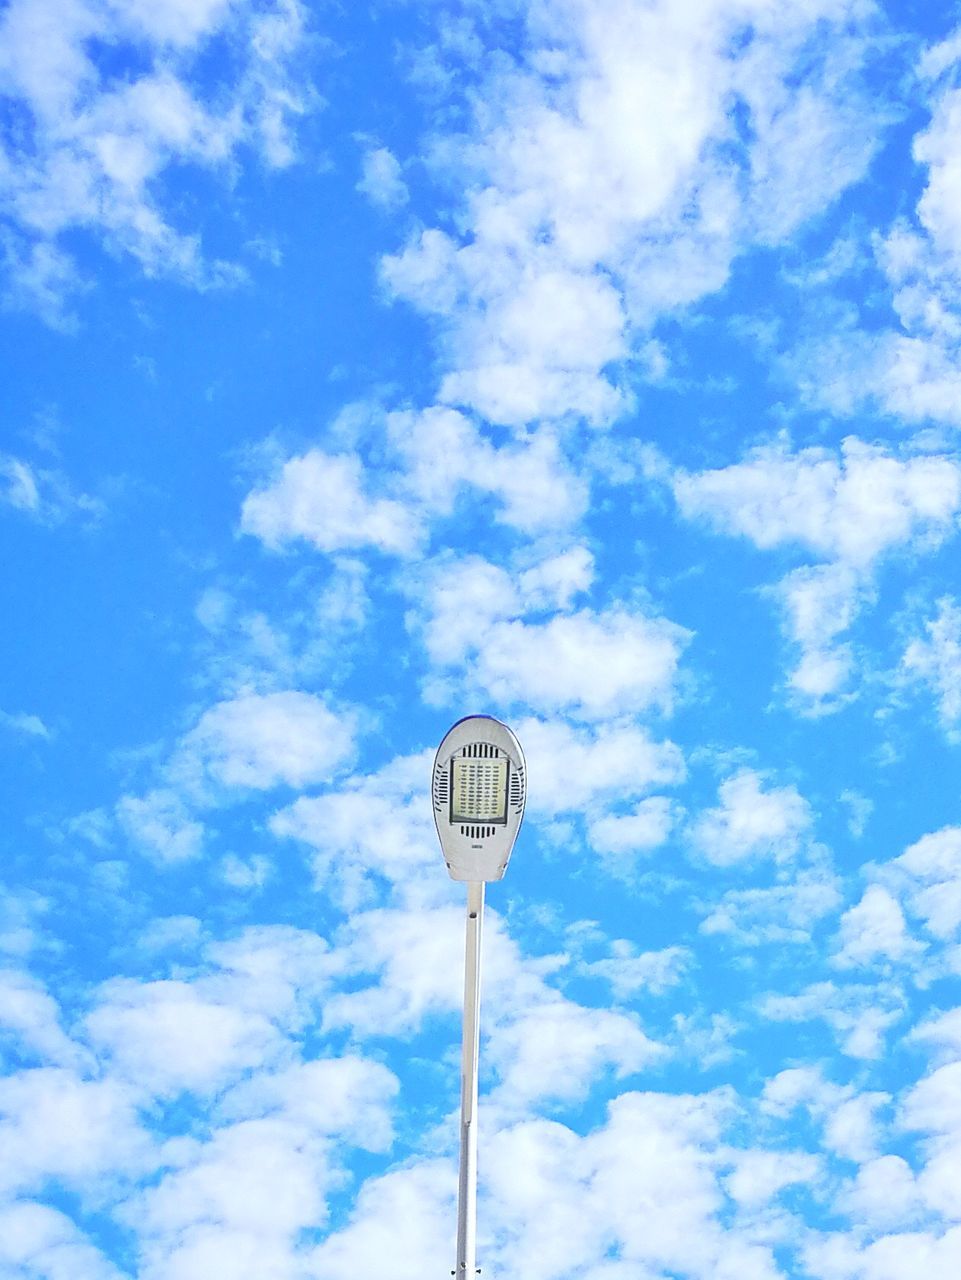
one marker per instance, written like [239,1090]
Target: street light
[479,790]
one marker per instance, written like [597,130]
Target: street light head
[479,791]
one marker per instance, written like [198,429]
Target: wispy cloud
[93,149]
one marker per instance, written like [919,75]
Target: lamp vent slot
[517,788]
[441,789]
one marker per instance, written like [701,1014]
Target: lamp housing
[479,791]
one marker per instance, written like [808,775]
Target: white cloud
[216,1242]
[346,1097]
[382,179]
[932,1107]
[820,604]
[706,1039]
[250,874]
[935,660]
[799,1086]
[883,1194]
[629,971]
[43,493]
[758,1176]
[249,648]
[55,1124]
[32,1017]
[251,742]
[860,1016]
[42,1242]
[943,1032]
[861,807]
[590,664]
[174,22]
[912,369]
[418,957]
[934,1104]
[852,1129]
[873,930]
[260,741]
[375,825]
[538,356]
[172,931]
[21,489]
[320,498]
[275,971]
[405,1216]
[541,1044]
[751,823]
[553,1048]
[436,456]
[40,278]
[576,769]
[100,145]
[19,914]
[443,451]
[848,510]
[783,912]
[937,148]
[927,876]
[534,338]
[605,186]
[201,1034]
[890,1257]
[166,1036]
[238,1208]
[640,1195]
[557,580]
[469,593]
[243,1197]
[643,1187]
[161,825]
[849,1124]
[639,831]
[811,143]
[22,722]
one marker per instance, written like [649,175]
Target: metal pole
[467,1185]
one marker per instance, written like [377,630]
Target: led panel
[479,791]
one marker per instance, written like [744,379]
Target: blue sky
[595,364]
